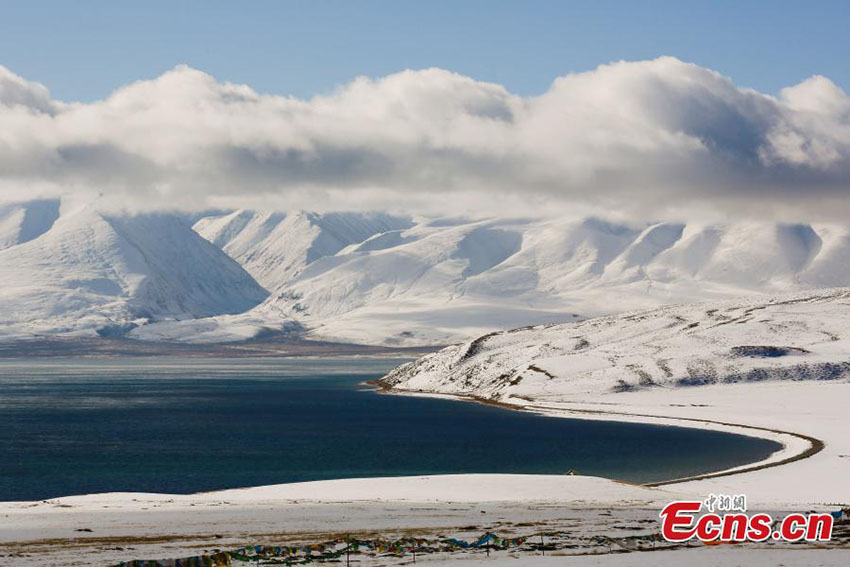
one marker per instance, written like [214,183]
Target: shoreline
[813,434]
[100,348]
[813,447]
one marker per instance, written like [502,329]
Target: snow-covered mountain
[792,337]
[22,222]
[84,272]
[274,247]
[442,280]
[378,278]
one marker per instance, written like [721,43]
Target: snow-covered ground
[117,514]
[577,515]
[126,526]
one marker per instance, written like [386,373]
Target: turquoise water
[181,426]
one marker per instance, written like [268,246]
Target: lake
[188,425]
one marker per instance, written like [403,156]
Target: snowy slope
[444,280]
[89,271]
[274,247]
[434,282]
[377,278]
[793,337]
[22,222]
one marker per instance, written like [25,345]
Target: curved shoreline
[814,445]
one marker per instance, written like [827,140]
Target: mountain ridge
[792,337]
[95,273]
[374,277]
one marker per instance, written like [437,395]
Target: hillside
[274,247]
[445,280]
[85,273]
[377,278]
[786,338]
[22,222]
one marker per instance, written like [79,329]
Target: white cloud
[17,92]
[657,136]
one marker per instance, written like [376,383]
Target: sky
[648,109]
[84,50]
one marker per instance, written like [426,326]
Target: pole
[543,549]
[348,551]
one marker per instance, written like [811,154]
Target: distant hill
[83,272]
[377,278]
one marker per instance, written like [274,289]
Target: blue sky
[84,50]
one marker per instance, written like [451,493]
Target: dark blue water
[194,425]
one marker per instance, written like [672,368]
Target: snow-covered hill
[274,247]
[84,272]
[443,280]
[22,222]
[377,278]
[791,337]
[435,282]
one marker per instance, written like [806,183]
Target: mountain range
[376,278]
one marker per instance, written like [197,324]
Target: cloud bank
[653,137]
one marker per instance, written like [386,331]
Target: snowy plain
[583,515]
